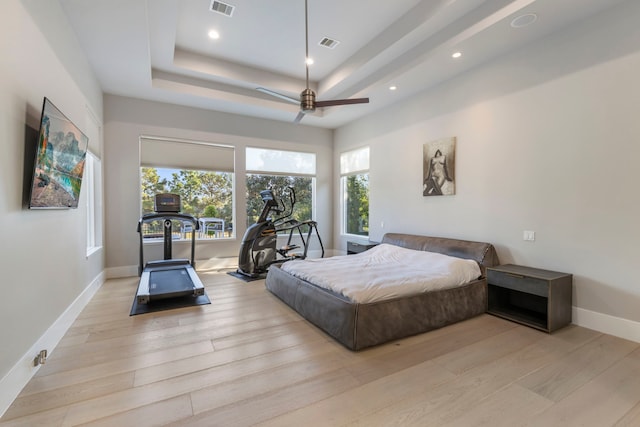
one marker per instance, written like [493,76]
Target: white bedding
[384,272]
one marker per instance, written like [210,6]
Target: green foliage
[303,187]
[357,204]
[201,192]
[210,212]
[209,194]
[151,185]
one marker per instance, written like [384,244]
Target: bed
[358,325]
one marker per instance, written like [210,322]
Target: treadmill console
[167,202]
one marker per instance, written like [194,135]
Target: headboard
[484,253]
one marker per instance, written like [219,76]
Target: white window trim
[93,183]
[343,190]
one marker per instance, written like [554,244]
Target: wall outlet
[529,236]
[381,224]
[41,358]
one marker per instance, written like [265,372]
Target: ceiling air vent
[223,8]
[328,43]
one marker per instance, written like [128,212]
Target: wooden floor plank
[231,356]
[487,350]
[64,396]
[265,381]
[631,418]
[144,395]
[602,401]
[556,380]
[446,402]
[49,418]
[155,414]
[42,383]
[365,399]
[248,359]
[267,405]
[508,407]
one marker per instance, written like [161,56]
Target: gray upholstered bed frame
[359,326]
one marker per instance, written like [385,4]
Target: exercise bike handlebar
[273,204]
[292,199]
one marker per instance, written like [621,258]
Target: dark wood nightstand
[531,296]
[356,248]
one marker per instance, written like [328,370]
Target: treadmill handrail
[177,216]
[163,216]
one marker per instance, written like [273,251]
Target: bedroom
[534,153]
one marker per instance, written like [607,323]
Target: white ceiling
[159,49]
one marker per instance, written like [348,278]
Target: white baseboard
[15,380]
[616,326]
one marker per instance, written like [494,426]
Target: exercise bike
[259,251]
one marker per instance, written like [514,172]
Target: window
[92,182]
[354,183]
[202,174]
[278,170]
[93,185]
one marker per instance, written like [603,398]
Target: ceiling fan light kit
[307,102]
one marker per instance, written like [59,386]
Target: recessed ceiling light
[456,55]
[213,34]
[393,87]
[524,20]
[309,61]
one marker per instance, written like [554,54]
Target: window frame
[267,171]
[183,165]
[180,234]
[94,201]
[361,168]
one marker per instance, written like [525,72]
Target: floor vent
[223,8]
[328,43]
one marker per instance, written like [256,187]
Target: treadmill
[168,278]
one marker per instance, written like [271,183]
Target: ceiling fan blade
[278,95]
[330,102]
[298,117]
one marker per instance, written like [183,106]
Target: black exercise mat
[245,278]
[167,304]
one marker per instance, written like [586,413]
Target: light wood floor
[248,359]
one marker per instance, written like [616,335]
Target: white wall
[548,139]
[126,119]
[43,261]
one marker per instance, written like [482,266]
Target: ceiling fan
[307,101]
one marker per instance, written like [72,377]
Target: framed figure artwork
[439,167]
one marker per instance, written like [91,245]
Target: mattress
[385,272]
[359,325]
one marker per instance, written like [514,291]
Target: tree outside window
[303,187]
[357,204]
[278,170]
[202,193]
